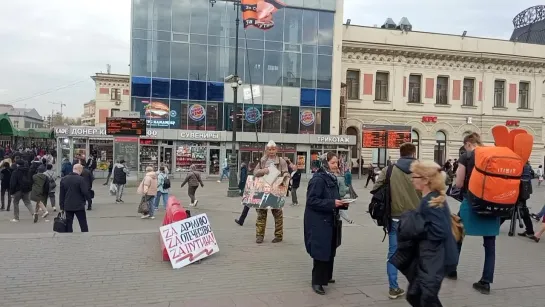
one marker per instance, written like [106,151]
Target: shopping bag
[59,223]
[143,208]
[113,189]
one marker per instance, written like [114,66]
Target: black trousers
[370,177]
[243,215]
[322,272]
[82,219]
[526,219]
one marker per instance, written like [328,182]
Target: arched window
[415,139]
[440,150]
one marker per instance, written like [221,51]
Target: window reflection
[292,69]
[228,117]
[292,25]
[212,117]
[215,72]
[325,29]
[273,68]
[271,119]
[324,71]
[141,58]
[161,59]
[276,33]
[180,64]
[310,27]
[290,120]
[197,63]
[255,69]
[162,15]
[142,14]
[199,16]
[308,71]
[181,16]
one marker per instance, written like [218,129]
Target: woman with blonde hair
[426,244]
[148,190]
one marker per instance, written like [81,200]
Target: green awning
[6,128]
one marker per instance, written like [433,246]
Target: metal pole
[233,190]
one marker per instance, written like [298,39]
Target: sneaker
[534,216]
[191,204]
[145,216]
[482,287]
[238,222]
[219,181]
[45,214]
[259,240]
[35,217]
[396,293]
[152,217]
[525,234]
[54,209]
[195,203]
[277,240]
[14,220]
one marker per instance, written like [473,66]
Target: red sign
[512,123]
[429,119]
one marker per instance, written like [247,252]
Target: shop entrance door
[290,156]
[165,157]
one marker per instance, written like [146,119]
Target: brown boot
[277,240]
[259,240]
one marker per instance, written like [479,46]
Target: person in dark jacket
[322,225]
[110,168]
[6,177]
[243,177]
[245,210]
[20,186]
[120,179]
[92,163]
[295,183]
[34,166]
[89,178]
[426,244]
[66,167]
[73,195]
[40,191]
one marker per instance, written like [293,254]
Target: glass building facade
[183,49]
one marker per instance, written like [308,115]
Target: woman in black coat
[243,177]
[322,222]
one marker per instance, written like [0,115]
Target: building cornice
[370,53]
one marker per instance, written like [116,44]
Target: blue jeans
[391,270]
[541,213]
[158,196]
[151,201]
[224,173]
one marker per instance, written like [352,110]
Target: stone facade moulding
[444,60]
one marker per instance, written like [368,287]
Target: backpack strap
[388,222]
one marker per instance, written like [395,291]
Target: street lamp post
[233,190]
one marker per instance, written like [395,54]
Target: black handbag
[59,223]
[92,194]
[338,230]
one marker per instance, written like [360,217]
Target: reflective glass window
[253,33]
[290,120]
[292,69]
[310,49]
[325,50]
[215,15]
[160,88]
[307,120]
[241,62]
[274,46]
[212,117]
[272,119]
[254,69]
[141,86]
[142,14]
[162,18]
[276,33]
[323,98]
[141,57]
[273,68]
[197,90]
[197,62]
[198,39]
[180,64]
[228,117]
[308,70]
[199,16]
[139,104]
[325,29]
[175,114]
[255,44]
[161,67]
[181,16]
[183,38]
[157,112]
[322,125]
[324,71]
[179,89]
[214,91]
[310,27]
[293,26]
[214,40]
[215,67]
[161,36]
[196,115]
[308,97]
[184,107]
[141,34]
[253,115]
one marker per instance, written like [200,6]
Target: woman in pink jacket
[148,190]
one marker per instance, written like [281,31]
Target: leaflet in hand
[272,175]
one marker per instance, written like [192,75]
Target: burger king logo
[252,115]
[307,118]
[196,112]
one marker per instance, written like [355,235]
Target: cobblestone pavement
[119,262]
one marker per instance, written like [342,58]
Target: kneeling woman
[426,244]
[322,223]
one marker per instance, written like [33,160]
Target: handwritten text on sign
[189,240]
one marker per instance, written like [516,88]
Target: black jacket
[6,177]
[243,178]
[21,180]
[120,177]
[321,216]
[73,193]
[89,178]
[296,179]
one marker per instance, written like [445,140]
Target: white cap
[271,144]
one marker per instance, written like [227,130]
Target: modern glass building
[182,50]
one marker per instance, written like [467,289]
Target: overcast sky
[51,44]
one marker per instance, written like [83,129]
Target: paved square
[119,262]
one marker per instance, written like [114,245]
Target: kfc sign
[429,119]
[512,123]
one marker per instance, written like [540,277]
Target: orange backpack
[495,180]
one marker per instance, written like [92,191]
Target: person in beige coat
[148,190]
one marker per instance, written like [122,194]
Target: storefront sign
[252,115]
[159,114]
[196,112]
[307,118]
[200,135]
[333,139]
[80,131]
[152,133]
[189,240]
[512,123]
[429,119]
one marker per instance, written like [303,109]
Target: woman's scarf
[324,166]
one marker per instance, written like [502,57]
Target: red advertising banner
[260,13]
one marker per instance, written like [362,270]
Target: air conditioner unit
[117,103]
